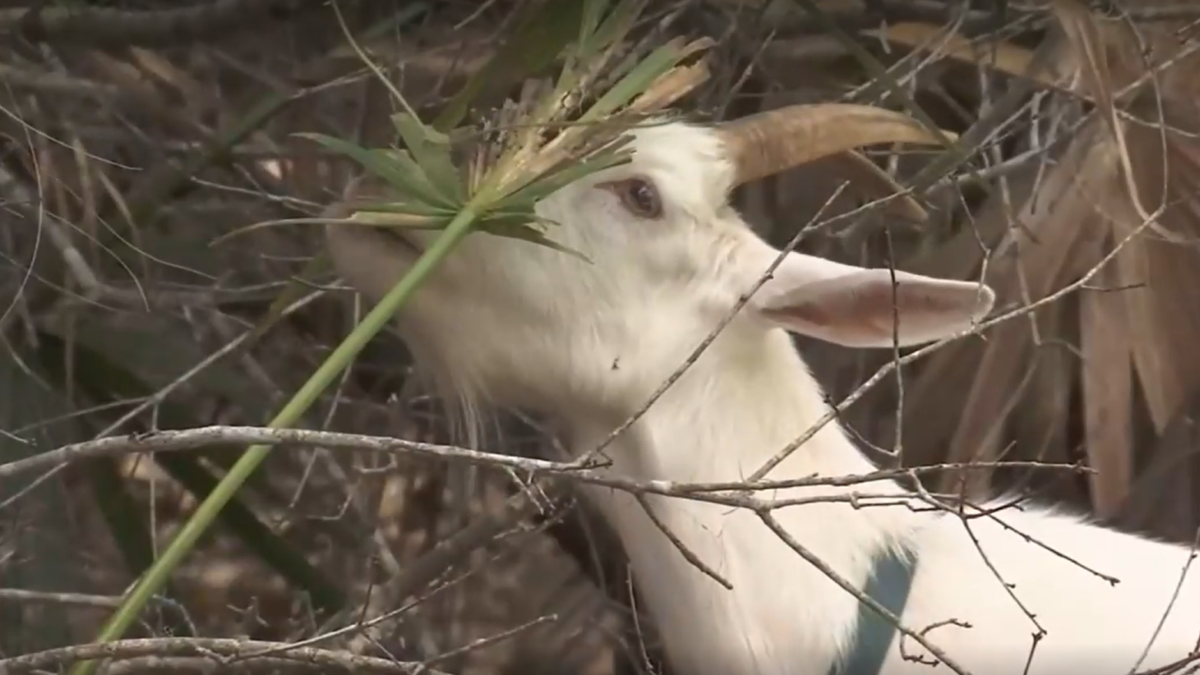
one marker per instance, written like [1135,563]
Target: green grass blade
[540,34]
[607,33]
[400,220]
[414,211]
[394,166]
[593,14]
[325,597]
[516,171]
[638,79]
[520,226]
[405,165]
[129,529]
[431,150]
[543,186]
[339,360]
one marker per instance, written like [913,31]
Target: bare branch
[220,651]
[193,439]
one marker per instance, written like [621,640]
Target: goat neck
[736,407]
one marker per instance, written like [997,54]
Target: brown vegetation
[128,145]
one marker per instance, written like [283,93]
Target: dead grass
[110,295]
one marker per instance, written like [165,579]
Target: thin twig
[205,437]
[770,521]
[219,650]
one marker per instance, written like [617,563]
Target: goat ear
[859,307]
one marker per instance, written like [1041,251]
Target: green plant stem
[156,577]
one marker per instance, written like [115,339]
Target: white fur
[527,326]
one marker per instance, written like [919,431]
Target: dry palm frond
[1130,179]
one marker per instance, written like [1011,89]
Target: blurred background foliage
[134,133]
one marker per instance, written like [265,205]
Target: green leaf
[130,531]
[614,28]
[540,34]
[637,80]
[544,186]
[513,209]
[185,540]
[262,225]
[593,11]
[400,162]
[394,167]
[405,208]
[518,227]
[431,150]
[386,219]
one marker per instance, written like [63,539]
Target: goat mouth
[399,237]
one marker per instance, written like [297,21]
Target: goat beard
[474,420]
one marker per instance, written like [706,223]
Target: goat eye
[640,197]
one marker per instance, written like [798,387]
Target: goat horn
[772,141]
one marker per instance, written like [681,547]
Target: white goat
[522,325]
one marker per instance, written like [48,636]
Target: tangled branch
[218,651]
[589,472]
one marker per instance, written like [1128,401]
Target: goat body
[784,616]
[1022,590]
